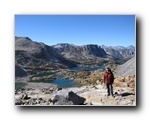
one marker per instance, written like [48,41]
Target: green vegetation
[43,74]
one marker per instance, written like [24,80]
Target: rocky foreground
[38,62]
[44,94]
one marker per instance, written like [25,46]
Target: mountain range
[80,53]
[120,52]
[94,52]
[31,53]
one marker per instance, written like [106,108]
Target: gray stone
[18,102]
[77,100]
[118,97]
[23,96]
[61,100]
[126,102]
[51,104]
[38,101]
[42,101]
[64,103]
[69,96]
[40,98]
[59,89]
[51,88]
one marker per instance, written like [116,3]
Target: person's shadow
[126,94]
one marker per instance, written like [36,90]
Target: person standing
[108,80]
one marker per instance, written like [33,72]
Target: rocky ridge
[94,52]
[86,95]
[33,57]
[120,52]
[31,53]
[84,55]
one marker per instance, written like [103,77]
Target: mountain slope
[30,53]
[19,72]
[88,54]
[127,68]
[80,53]
[120,52]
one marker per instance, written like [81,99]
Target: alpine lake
[61,82]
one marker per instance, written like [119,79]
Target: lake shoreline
[68,76]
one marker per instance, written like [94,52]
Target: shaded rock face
[19,72]
[61,100]
[78,53]
[77,100]
[70,99]
[89,51]
[28,52]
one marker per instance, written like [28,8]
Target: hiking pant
[109,89]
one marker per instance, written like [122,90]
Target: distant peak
[62,44]
[91,44]
[27,38]
[130,46]
[16,37]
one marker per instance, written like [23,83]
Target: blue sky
[109,30]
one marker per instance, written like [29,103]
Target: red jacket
[108,78]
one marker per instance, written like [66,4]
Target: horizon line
[76,44]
